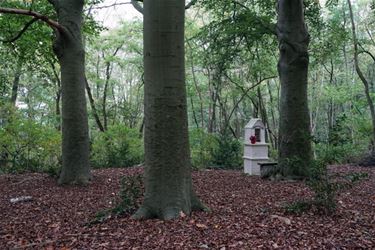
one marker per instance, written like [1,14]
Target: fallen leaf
[283,219]
[182,214]
[201,225]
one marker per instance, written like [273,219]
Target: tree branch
[192,2]
[244,91]
[53,24]
[366,52]
[137,6]
[109,6]
[27,25]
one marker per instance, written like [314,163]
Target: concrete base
[252,167]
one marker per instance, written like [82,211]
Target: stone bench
[267,168]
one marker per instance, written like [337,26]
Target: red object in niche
[253,139]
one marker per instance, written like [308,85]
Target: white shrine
[256,148]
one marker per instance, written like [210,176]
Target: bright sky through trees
[112,16]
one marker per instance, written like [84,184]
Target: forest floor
[246,213]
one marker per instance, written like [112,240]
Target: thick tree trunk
[168,185]
[294,131]
[70,52]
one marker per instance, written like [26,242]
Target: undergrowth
[325,188]
[130,191]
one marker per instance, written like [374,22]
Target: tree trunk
[71,55]
[16,82]
[93,107]
[58,96]
[294,130]
[196,85]
[168,185]
[362,77]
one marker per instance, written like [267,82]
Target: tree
[111,60]
[168,184]
[294,128]
[69,50]
[362,76]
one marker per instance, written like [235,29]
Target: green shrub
[131,190]
[325,188]
[324,192]
[212,150]
[119,146]
[298,207]
[27,146]
[202,146]
[342,153]
[229,152]
[340,133]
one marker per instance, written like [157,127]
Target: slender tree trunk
[193,111]
[93,107]
[362,77]
[274,138]
[294,130]
[196,85]
[16,82]
[168,185]
[17,75]
[71,55]
[108,73]
[58,96]
[105,91]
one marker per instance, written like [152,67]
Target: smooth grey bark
[295,152]
[70,52]
[168,185]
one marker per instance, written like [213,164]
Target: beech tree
[69,50]
[294,128]
[168,185]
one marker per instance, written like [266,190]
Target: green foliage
[298,207]
[26,145]
[228,154]
[324,192]
[339,154]
[343,146]
[202,146]
[131,190]
[119,146]
[340,133]
[325,188]
[293,168]
[211,150]
[356,177]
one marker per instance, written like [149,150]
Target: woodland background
[231,58]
